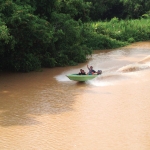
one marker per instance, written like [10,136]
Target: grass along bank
[117,33]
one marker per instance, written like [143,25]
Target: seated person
[82,72]
[98,72]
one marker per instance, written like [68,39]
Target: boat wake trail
[134,67]
[138,66]
[62,78]
[110,77]
[113,75]
[145,60]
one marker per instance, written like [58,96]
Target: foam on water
[133,67]
[145,60]
[112,75]
[108,78]
[62,78]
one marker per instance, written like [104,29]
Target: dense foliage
[50,33]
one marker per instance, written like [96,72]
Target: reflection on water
[47,111]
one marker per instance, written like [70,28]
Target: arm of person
[88,67]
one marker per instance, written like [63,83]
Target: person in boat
[98,72]
[91,71]
[82,72]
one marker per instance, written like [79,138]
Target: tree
[31,36]
[136,8]
[77,9]
[105,9]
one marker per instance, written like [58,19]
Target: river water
[47,111]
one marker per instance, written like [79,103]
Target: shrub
[30,63]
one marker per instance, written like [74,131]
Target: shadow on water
[24,99]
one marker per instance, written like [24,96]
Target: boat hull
[76,77]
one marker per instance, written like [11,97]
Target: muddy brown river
[47,111]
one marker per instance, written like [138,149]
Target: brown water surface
[46,111]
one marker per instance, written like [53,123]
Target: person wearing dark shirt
[82,72]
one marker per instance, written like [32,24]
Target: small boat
[77,77]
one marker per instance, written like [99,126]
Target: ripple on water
[42,112]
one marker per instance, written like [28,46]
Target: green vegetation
[116,33]
[51,33]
